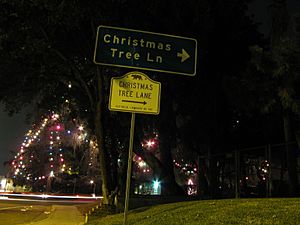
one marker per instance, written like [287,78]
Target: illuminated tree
[54,149]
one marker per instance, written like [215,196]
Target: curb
[86,220]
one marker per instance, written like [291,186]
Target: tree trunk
[290,155]
[48,184]
[167,127]
[297,135]
[213,175]
[100,139]
[114,165]
[164,174]
[169,185]
[123,172]
[163,168]
[202,187]
[149,158]
[280,23]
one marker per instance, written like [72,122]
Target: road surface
[25,211]
[62,215]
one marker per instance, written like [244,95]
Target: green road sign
[134,92]
[145,50]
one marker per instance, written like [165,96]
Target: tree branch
[86,89]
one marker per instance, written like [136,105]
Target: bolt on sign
[134,92]
[145,50]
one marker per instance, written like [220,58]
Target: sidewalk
[62,215]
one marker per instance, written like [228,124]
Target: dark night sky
[12,129]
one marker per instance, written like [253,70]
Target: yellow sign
[134,92]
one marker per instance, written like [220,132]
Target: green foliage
[274,77]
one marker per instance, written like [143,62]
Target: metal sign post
[134,92]
[129,168]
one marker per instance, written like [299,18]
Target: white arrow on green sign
[145,50]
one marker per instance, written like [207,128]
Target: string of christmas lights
[31,137]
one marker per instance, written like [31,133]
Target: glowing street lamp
[93,184]
[156,186]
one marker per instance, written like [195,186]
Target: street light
[94,190]
[156,187]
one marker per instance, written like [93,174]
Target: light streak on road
[45,196]
[48,198]
[12,207]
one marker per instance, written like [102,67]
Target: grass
[230,211]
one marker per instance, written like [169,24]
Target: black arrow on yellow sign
[144,103]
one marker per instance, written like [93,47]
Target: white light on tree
[142,164]
[150,143]
[190,182]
